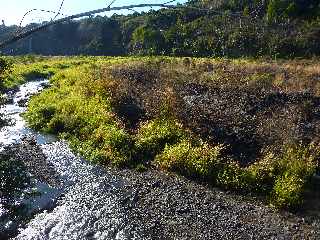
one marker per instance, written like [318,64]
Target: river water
[86,204]
[12,110]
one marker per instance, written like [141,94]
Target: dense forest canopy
[234,28]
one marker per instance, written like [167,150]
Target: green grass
[32,67]
[79,107]
[73,110]
[203,161]
[153,136]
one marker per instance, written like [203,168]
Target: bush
[284,177]
[263,173]
[287,191]
[41,115]
[5,66]
[115,143]
[233,177]
[154,135]
[106,145]
[200,161]
[295,168]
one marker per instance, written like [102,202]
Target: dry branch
[40,10]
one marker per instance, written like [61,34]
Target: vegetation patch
[77,112]
[202,161]
[5,67]
[18,70]
[241,125]
[153,136]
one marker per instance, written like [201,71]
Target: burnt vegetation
[250,115]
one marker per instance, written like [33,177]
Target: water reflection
[18,129]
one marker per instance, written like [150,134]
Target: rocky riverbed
[97,203]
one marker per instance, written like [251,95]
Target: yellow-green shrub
[232,176]
[283,177]
[295,168]
[85,120]
[263,173]
[199,161]
[287,191]
[154,135]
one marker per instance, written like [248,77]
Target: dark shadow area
[129,112]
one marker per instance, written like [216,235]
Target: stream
[83,206]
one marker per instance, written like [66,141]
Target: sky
[12,11]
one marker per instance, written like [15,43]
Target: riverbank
[242,125]
[153,204]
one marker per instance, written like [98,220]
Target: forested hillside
[232,28]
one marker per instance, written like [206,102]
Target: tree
[149,39]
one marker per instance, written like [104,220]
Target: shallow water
[86,205]
[90,207]
[18,129]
